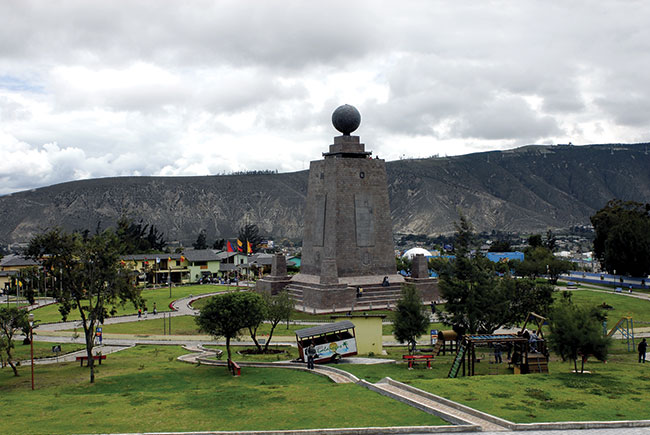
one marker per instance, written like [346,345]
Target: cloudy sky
[109,88]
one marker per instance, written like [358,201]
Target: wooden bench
[413,358]
[95,357]
[234,368]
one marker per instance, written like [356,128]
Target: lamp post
[31,343]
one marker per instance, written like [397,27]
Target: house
[232,264]
[202,263]
[157,268]
[11,266]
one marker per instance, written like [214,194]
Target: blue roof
[496,257]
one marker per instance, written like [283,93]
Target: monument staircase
[373,296]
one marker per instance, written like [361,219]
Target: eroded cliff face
[528,189]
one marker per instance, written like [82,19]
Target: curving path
[201,355]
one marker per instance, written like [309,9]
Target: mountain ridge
[526,189]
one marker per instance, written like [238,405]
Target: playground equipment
[447,341]
[529,353]
[332,341]
[626,327]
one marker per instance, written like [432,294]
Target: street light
[31,343]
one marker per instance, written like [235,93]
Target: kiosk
[332,341]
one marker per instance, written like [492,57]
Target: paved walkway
[447,410]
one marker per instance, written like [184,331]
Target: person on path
[139,313]
[497,353]
[643,347]
[311,354]
[155,311]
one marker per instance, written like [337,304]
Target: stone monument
[278,279]
[348,258]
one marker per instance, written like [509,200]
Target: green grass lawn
[42,349]
[623,305]
[154,325]
[613,391]
[160,296]
[616,390]
[145,389]
[185,325]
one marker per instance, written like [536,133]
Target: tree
[95,280]
[201,241]
[403,264]
[12,319]
[410,319]
[219,244]
[279,308]
[526,296]
[464,238]
[137,238]
[500,246]
[576,332]
[539,260]
[250,233]
[551,240]
[478,301]
[535,240]
[622,241]
[226,315]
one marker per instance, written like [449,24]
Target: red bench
[95,357]
[413,358]
[234,368]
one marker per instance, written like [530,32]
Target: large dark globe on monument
[346,119]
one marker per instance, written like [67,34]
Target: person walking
[643,347]
[155,310]
[311,354]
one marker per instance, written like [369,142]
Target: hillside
[531,188]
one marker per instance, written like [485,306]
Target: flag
[240,246]
[157,259]
[249,248]
[182,258]
[229,249]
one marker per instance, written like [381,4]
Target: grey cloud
[505,118]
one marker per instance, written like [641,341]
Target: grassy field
[616,390]
[145,389]
[185,325]
[623,305]
[160,296]
[613,391]
[43,350]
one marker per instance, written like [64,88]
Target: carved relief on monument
[320,207]
[364,219]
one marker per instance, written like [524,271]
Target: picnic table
[95,357]
[413,358]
